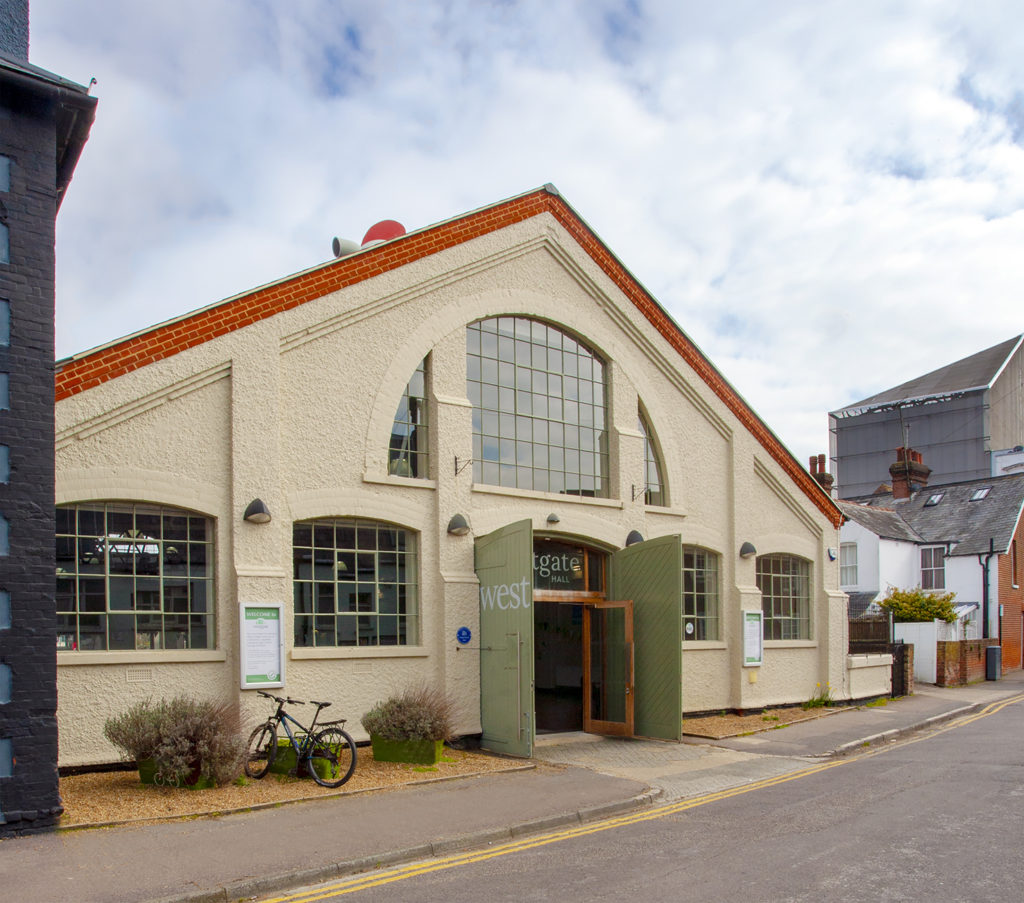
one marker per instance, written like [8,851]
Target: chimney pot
[908,471]
[814,464]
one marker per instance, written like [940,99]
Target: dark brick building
[44,123]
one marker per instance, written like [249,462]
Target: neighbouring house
[478,454]
[966,420]
[961,537]
[44,124]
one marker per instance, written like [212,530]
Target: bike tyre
[332,757]
[261,750]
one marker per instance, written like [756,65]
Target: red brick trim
[82,373]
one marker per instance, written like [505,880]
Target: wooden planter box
[148,775]
[284,763]
[417,752]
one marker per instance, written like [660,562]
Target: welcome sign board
[262,641]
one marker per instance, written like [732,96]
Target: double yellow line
[378,879]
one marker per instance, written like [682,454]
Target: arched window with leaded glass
[539,408]
[654,485]
[407,450]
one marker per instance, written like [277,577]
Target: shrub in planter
[411,726]
[192,742]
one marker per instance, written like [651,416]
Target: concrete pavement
[577,778]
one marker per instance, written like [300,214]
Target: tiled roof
[976,372]
[955,518]
[884,522]
[859,603]
[84,371]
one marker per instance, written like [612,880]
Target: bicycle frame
[300,748]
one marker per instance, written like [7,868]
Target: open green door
[651,573]
[504,565]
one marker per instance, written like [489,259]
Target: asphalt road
[936,818]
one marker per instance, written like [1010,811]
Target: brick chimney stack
[818,471]
[908,474]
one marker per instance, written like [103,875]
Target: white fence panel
[923,636]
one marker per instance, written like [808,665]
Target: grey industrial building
[966,419]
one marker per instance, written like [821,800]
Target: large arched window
[654,488]
[785,584]
[539,414]
[407,454]
[134,577]
[354,584]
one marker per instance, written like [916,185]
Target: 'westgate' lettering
[505,596]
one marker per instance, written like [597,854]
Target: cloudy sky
[827,196]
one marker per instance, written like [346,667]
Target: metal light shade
[458,525]
[257,512]
[747,550]
[634,537]
[553,518]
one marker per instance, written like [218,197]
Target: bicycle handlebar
[281,701]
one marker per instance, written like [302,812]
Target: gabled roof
[84,371]
[972,374]
[883,522]
[954,518]
[74,111]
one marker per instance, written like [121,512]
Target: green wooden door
[504,565]
[651,573]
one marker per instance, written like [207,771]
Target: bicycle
[329,754]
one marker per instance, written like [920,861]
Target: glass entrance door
[608,668]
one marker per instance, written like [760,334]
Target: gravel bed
[111,797]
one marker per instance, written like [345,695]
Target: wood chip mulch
[114,797]
[720,727]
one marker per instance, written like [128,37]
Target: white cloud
[827,198]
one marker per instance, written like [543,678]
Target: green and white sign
[262,645]
[753,635]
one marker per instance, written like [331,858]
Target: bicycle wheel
[332,757]
[261,750]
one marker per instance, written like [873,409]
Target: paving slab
[242,855]
[237,855]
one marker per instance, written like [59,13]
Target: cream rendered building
[500,369]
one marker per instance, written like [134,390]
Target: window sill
[141,657]
[697,645]
[300,653]
[547,496]
[790,644]
[409,482]
[662,509]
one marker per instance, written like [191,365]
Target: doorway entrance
[565,594]
[583,643]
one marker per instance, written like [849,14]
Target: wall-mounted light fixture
[634,537]
[553,518]
[257,512]
[458,525]
[747,550]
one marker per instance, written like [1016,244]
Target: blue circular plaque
[463,635]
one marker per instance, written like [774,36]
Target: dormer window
[933,500]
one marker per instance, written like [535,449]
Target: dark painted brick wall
[14,28]
[29,798]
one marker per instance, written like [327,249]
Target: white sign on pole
[262,645]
